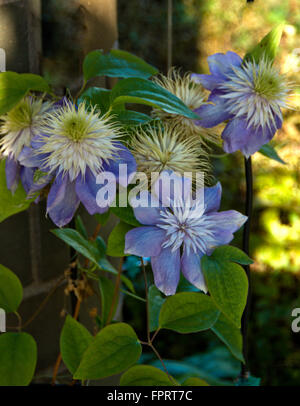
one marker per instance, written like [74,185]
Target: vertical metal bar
[246,241]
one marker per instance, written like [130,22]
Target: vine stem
[76,302]
[116,292]
[59,358]
[149,341]
[147,300]
[246,244]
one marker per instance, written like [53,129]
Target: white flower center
[256,92]
[21,124]
[187,226]
[77,139]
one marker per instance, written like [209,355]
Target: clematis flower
[76,145]
[192,94]
[159,148]
[248,94]
[20,126]
[176,237]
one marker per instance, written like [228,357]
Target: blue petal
[124,156]
[191,269]
[144,241]
[212,114]
[29,158]
[226,223]
[212,198]
[210,82]
[256,139]
[171,186]
[166,270]
[62,201]
[12,174]
[235,135]
[220,65]
[26,175]
[147,214]
[87,189]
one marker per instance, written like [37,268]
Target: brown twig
[149,339]
[59,358]
[76,312]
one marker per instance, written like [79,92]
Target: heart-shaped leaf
[11,291]
[188,312]
[114,349]
[18,357]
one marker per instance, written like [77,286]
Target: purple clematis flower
[20,126]
[176,237]
[75,147]
[248,94]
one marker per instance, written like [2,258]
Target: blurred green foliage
[201,28]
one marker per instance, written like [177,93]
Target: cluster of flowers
[62,147]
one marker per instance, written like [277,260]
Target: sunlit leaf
[74,341]
[145,375]
[188,312]
[18,357]
[11,291]
[143,91]
[11,204]
[116,63]
[227,284]
[270,152]
[114,349]
[268,46]
[116,240]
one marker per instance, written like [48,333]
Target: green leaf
[116,63]
[14,86]
[18,357]
[80,227]
[11,204]
[97,96]
[228,285]
[101,245]
[188,312]
[145,375]
[34,83]
[230,253]
[270,152]
[155,303]
[107,290]
[132,118]
[126,214]
[195,382]
[230,335]
[90,250]
[267,47]
[11,291]
[114,349]
[146,92]
[74,341]
[102,218]
[78,242]
[116,240]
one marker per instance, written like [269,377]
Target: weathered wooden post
[48,37]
